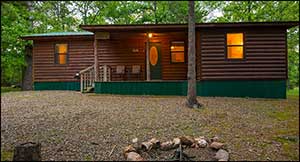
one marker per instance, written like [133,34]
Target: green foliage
[28,17]
[9,89]
[293,92]
[6,155]
[14,22]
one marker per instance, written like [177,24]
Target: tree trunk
[155,12]
[249,10]
[27,72]
[27,152]
[191,75]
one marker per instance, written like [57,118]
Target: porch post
[96,59]
[105,73]
[147,58]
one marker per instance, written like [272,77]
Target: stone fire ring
[133,151]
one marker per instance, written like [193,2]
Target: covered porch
[141,54]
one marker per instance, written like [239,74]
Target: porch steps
[89,90]
[88,76]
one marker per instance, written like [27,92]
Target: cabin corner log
[29,151]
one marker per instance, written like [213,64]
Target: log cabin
[244,59]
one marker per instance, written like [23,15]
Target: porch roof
[93,28]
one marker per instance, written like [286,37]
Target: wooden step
[89,90]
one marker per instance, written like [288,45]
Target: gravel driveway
[75,126]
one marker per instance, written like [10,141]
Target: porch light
[149,35]
[172,47]
[77,76]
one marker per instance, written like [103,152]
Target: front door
[155,61]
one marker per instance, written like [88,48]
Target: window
[177,51]
[61,53]
[235,49]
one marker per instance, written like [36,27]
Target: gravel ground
[75,126]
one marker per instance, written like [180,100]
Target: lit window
[235,42]
[177,51]
[61,52]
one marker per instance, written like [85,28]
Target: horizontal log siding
[265,55]
[44,69]
[118,51]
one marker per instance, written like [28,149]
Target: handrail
[86,69]
[87,76]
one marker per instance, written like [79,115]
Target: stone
[128,149]
[202,143]
[194,145]
[187,140]
[176,142]
[155,142]
[146,146]
[167,145]
[222,155]
[216,145]
[135,140]
[215,139]
[133,156]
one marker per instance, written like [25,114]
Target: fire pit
[184,148]
[179,155]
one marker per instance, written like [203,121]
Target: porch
[139,56]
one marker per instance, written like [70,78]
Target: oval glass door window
[153,55]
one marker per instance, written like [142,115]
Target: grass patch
[285,139]
[88,158]
[289,145]
[9,89]
[6,155]
[293,92]
[280,115]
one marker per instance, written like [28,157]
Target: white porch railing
[87,77]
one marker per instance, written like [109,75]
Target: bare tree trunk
[191,75]
[249,10]
[27,72]
[155,12]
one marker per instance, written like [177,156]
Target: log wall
[128,49]
[80,53]
[264,50]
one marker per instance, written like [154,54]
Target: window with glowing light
[235,43]
[177,51]
[61,53]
